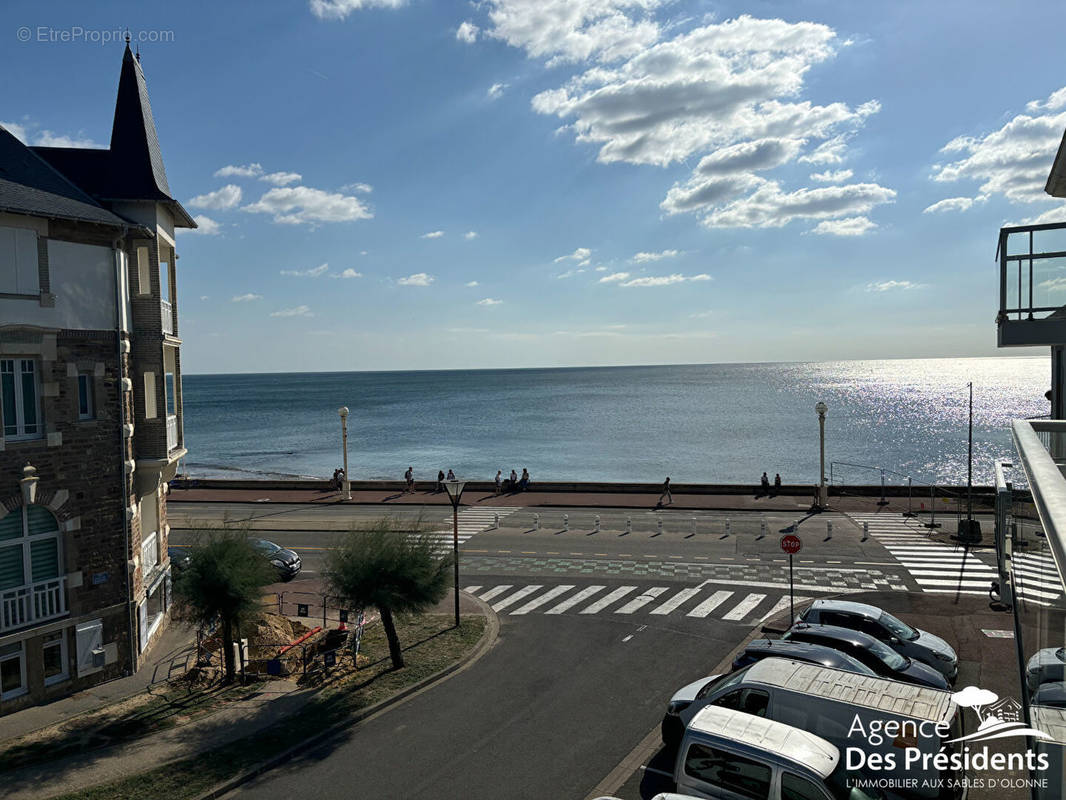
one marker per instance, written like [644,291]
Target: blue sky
[571,182]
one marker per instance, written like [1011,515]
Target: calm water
[718,423]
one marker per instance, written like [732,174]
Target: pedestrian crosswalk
[935,567]
[472,521]
[1036,578]
[699,602]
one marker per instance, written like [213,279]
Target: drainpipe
[117,246]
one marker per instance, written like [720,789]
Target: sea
[708,423]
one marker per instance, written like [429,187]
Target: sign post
[791,544]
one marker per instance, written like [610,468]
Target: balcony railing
[1032,285]
[29,605]
[172,432]
[167,312]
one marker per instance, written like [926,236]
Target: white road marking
[643,600]
[710,604]
[580,597]
[605,601]
[744,607]
[514,598]
[547,597]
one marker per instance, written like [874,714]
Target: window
[85,396]
[149,395]
[144,279]
[172,394]
[54,658]
[151,610]
[12,671]
[750,701]
[29,548]
[18,388]
[793,787]
[18,261]
[149,553]
[89,637]
[731,772]
[164,280]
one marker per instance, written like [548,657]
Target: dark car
[872,652]
[901,637]
[1050,694]
[286,562]
[799,651]
[179,558]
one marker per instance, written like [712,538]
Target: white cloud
[432,235]
[467,32]
[747,157]
[832,176]
[418,279]
[340,9]
[470,235]
[601,268]
[889,286]
[828,152]
[298,311]
[358,186]
[615,277]
[349,273]
[297,205]
[950,204]
[205,226]
[31,133]
[641,258]
[472,284]
[848,226]
[246,298]
[497,90]
[313,272]
[226,197]
[569,274]
[665,280]
[1052,215]
[205,297]
[581,256]
[489,301]
[701,315]
[1053,285]
[240,171]
[769,207]
[281,178]
[1014,160]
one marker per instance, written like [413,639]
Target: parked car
[826,702]
[799,651]
[179,558]
[728,754]
[907,641]
[872,652]
[285,561]
[1050,694]
[1046,665]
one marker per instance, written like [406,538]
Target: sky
[405,184]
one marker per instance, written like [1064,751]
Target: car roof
[791,647]
[881,694]
[770,737]
[833,632]
[847,606]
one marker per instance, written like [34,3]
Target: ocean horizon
[697,423]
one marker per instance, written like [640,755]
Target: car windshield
[888,656]
[898,628]
[265,547]
[838,785]
[722,683]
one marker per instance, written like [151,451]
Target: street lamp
[29,484]
[823,495]
[455,494]
[343,411]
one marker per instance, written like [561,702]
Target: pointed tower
[134,142]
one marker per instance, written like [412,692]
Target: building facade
[90,403]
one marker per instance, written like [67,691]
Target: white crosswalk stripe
[710,601]
[934,566]
[472,521]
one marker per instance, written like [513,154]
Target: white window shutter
[149,395]
[144,275]
[90,636]
[142,619]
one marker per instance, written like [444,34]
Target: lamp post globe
[343,411]
[823,493]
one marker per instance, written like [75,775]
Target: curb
[488,639]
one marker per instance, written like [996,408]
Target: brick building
[90,403]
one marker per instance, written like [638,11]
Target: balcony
[33,604]
[167,313]
[1032,285]
[172,433]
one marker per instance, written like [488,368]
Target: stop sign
[791,543]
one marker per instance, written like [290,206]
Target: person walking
[409,477]
[523,484]
[514,481]
[499,482]
[666,492]
[765,481]
[451,475]
[777,483]
[440,480]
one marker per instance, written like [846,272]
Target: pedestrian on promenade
[765,484]
[440,480]
[451,475]
[499,482]
[337,478]
[666,492]
[523,484]
[409,477]
[514,481]
[777,483]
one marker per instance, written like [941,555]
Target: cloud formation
[300,205]
[220,199]
[349,273]
[848,226]
[252,170]
[313,272]
[641,258]
[472,284]
[832,176]
[30,133]
[341,9]
[246,298]
[205,226]
[581,256]
[891,286]
[497,90]
[949,204]
[281,178]
[298,311]
[489,301]
[432,235]
[467,32]
[470,235]
[418,279]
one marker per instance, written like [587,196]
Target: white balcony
[167,312]
[172,432]
[32,604]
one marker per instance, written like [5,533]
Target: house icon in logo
[1007,710]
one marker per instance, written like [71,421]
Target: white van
[730,755]
[877,721]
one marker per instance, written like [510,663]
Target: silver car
[907,641]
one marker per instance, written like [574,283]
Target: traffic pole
[791,593]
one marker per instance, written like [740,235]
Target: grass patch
[430,644]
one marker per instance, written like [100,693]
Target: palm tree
[396,573]
[223,581]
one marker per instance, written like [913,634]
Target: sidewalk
[172,655]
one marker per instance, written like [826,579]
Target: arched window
[31,562]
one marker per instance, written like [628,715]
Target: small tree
[394,572]
[223,581]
